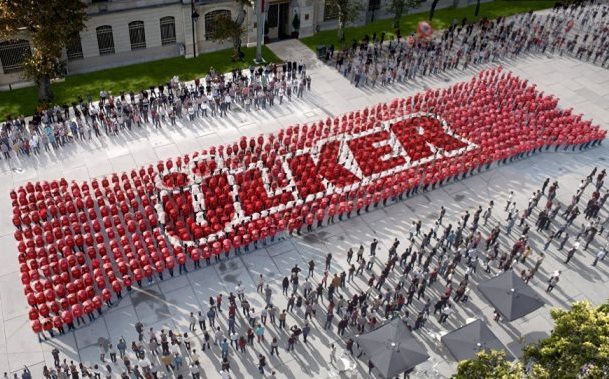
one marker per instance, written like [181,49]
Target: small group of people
[210,97]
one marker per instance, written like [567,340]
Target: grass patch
[127,78]
[442,19]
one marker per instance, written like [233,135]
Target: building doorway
[278,21]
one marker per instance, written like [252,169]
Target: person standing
[332,353]
[268,293]
[275,346]
[570,254]
[328,261]
[102,352]
[55,354]
[193,322]
[329,318]
[305,331]
[509,200]
[599,256]
[349,255]
[224,348]
[554,278]
[201,320]
[260,284]
[311,268]
[261,363]
[373,246]
[139,327]
[285,284]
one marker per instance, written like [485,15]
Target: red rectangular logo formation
[339,165]
[77,242]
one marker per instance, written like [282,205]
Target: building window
[168,31]
[210,19]
[105,40]
[330,12]
[374,5]
[13,54]
[74,49]
[137,36]
[272,16]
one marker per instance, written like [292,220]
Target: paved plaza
[167,304]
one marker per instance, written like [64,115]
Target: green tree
[51,25]
[346,11]
[578,344]
[399,8]
[432,8]
[489,365]
[228,29]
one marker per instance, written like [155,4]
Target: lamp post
[259,30]
[194,17]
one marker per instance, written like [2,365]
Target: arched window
[137,36]
[210,18]
[105,40]
[168,30]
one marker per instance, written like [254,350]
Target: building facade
[123,32]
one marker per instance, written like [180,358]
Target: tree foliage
[399,8]
[51,25]
[578,345]
[225,28]
[346,11]
[489,365]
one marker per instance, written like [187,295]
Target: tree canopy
[51,25]
[579,343]
[225,28]
[399,8]
[346,11]
[489,365]
[578,346]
